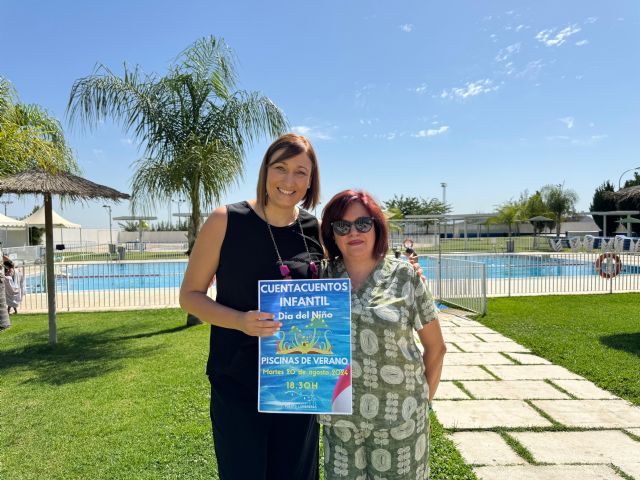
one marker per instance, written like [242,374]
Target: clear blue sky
[491,97]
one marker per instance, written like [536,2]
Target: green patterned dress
[387,437]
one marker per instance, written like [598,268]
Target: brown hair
[290,145]
[334,210]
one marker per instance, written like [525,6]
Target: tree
[416,206]
[193,124]
[535,207]
[29,139]
[401,206]
[509,213]
[131,226]
[602,202]
[560,202]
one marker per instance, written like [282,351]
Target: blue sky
[490,97]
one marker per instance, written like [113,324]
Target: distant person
[410,252]
[14,287]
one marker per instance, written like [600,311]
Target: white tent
[10,222]
[36,219]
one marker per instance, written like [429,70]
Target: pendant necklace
[284,269]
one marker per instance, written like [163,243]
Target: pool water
[116,276]
[525,266]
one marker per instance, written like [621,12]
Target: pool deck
[571,428]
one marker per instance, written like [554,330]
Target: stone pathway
[564,426]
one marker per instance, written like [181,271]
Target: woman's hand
[413,261]
[258,324]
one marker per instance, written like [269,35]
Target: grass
[122,396]
[596,336]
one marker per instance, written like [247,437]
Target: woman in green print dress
[387,437]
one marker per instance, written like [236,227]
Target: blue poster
[306,366]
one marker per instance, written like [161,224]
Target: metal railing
[105,285]
[92,252]
[457,281]
[562,273]
[536,273]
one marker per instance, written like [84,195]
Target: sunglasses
[343,227]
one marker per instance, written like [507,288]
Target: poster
[306,366]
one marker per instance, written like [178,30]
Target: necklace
[284,269]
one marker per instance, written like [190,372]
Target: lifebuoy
[408,243]
[607,258]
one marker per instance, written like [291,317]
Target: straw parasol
[629,193]
[68,185]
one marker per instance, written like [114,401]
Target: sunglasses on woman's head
[343,227]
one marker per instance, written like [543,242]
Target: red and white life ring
[608,265]
[408,243]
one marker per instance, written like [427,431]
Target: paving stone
[490,358]
[494,337]
[469,330]
[529,359]
[464,372]
[630,468]
[446,323]
[459,337]
[485,448]
[592,413]
[491,347]
[484,414]
[547,472]
[514,390]
[603,446]
[465,322]
[448,391]
[585,389]
[532,372]
[450,348]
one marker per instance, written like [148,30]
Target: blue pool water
[525,266]
[117,276]
[108,276]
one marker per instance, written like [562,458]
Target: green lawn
[596,336]
[123,396]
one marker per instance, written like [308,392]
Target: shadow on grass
[78,356]
[159,332]
[629,342]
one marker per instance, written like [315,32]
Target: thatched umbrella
[629,193]
[65,184]
[540,222]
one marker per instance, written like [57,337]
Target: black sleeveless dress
[246,256]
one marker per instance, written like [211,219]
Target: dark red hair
[335,209]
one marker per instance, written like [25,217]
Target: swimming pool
[111,276]
[526,266]
[159,275]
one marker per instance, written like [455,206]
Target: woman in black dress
[268,238]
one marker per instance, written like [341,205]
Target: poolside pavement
[496,394]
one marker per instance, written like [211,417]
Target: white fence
[458,282]
[105,285]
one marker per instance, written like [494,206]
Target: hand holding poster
[306,367]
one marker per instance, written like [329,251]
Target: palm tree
[560,203]
[508,213]
[193,123]
[29,139]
